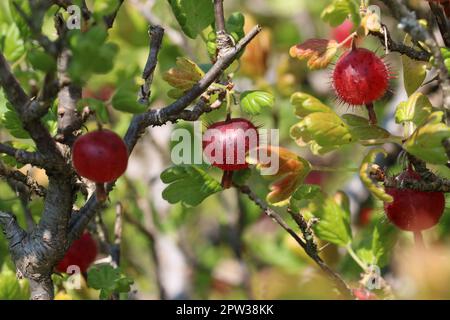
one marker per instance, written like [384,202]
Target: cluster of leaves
[108,280]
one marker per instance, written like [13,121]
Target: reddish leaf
[318,52]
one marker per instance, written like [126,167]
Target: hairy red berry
[82,253]
[360,77]
[342,32]
[414,210]
[227,143]
[100,156]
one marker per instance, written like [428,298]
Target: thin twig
[400,47]
[343,288]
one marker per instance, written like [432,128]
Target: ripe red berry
[342,32]
[82,253]
[365,215]
[226,144]
[363,294]
[414,210]
[100,156]
[360,77]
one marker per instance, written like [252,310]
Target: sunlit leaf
[193,15]
[188,184]
[185,75]
[252,102]
[318,52]
[426,142]
[417,109]
[305,104]
[334,221]
[339,10]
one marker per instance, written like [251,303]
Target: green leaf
[41,60]
[11,43]
[184,75]
[417,109]
[125,99]
[235,24]
[362,130]
[108,280]
[383,240]
[11,288]
[338,11]
[12,122]
[426,142]
[91,53]
[105,7]
[253,101]
[193,15]
[334,222]
[326,129]
[305,104]
[306,191]
[414,73]
[188,184]
[378,250]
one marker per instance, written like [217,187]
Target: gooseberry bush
[167,149]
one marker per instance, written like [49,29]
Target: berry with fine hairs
[100,156]
[360,77]
[226,144]
[414,210]
[82,253]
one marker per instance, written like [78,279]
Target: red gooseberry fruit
[82,253]
[363,294]
[414,210]
[100,156]
[360,77]
[227,143]
[342,32]
[365,214]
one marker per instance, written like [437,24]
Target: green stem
[355,257]
[328,169]
[418,239]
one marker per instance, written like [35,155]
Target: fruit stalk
[100,192]
[372,115]
[227,179]
[418,239]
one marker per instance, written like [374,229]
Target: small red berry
[231,141]
[342,32]
[414,210]
[363,294]
[82,253]
[364,216]
[360,77]
[227,143]
[100,156]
